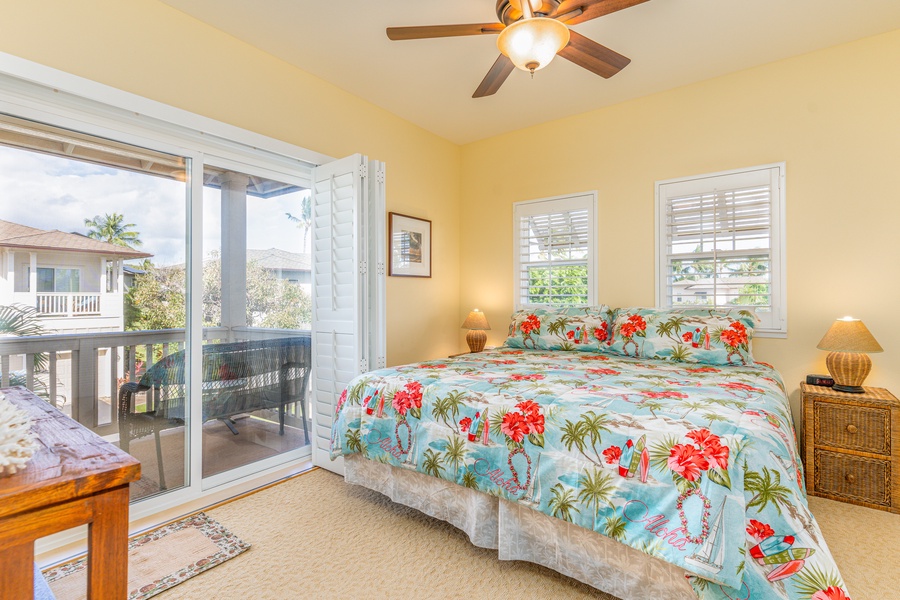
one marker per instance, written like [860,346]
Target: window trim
[590,201]
[778,244]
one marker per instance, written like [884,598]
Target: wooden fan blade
[590,9]
[594,57]
[438,31]
[500,70]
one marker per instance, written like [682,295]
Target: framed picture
[410,251]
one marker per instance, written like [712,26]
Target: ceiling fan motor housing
[510,11]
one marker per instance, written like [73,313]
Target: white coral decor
[17,444]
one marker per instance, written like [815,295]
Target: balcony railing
[83,372]
[61,304]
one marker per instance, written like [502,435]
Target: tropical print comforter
[694,464]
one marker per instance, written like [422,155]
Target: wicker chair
[238,377]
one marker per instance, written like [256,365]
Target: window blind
[554,252]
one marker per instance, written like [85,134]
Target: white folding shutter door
[338,337]
[377,267]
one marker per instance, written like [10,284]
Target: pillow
[582,329]
[691,335]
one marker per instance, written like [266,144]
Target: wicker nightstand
[851,446]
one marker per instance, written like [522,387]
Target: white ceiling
[430,82]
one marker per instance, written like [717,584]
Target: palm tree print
[766,487]
[431,463]
[584,433]
[455,453]
[596,489]
[447,409]
[615,528]
[562,502]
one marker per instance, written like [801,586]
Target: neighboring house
[76,283]
[289,266]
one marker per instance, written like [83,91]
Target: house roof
[15,235]
[275,259]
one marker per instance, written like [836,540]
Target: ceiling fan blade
[594,57]
[500,70]
[585,10]
[438,31]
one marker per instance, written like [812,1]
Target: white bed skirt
[520,533]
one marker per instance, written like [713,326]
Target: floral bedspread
[691,463]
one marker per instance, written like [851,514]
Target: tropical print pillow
[690,335]
[583,329]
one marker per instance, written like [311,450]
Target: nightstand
[851,446]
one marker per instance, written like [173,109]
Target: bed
[641,451]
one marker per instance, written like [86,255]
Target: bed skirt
[520,533]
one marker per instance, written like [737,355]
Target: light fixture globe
[532,43]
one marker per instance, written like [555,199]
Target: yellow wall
[833,116]
[148,48]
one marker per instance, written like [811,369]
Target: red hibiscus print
[531,323]
[612,455]
[409,397]
[633,325]
[830,593]
[759,530]
[703,437]
[514,426]
[687,337]
[703,370]
[465,423]
[735,335]
[717,455]
[535,423]
[602,332]
[529,407]
[736,385]
[531,377]
[603,371]
[664,394]
[687,461]
[594,357]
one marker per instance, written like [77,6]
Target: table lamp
[849,342]
[476,323]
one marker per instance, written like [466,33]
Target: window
[720,243]
[58,280]
[555,251]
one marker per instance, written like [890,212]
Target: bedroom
[830,114]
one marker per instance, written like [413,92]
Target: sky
[50,192]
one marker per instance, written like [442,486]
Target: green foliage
[158,299]
[22,320]
[615,528]
[455,453]
[469,480]
[596,488]
[812,579]
[558,285]
[432,463]
[766,486]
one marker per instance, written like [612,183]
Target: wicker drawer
[853,477]
[867,429]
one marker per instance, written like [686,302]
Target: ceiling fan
[531,33]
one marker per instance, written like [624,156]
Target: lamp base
[476,339]
[849,370]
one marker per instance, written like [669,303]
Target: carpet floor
[304,547]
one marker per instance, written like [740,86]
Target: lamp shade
[849,335]
[476,320]
[532,43]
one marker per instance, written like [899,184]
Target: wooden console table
[74,478]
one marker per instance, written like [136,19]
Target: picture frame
[409,251]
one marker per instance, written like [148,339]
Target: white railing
[60,304]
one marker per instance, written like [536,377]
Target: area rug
[157,560]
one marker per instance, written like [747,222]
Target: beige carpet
[305,546]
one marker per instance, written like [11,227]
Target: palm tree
[21,320]
[469,480]
[562,504]
[353,441]
[447,409]
[456,451]
[112,230]
[304,221]
[596,488]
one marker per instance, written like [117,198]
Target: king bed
[641,451]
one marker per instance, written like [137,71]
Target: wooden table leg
[17,572]
[107,576]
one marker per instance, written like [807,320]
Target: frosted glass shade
[532,43]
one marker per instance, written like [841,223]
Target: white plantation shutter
[555,251]
[343,308]
[720,243]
